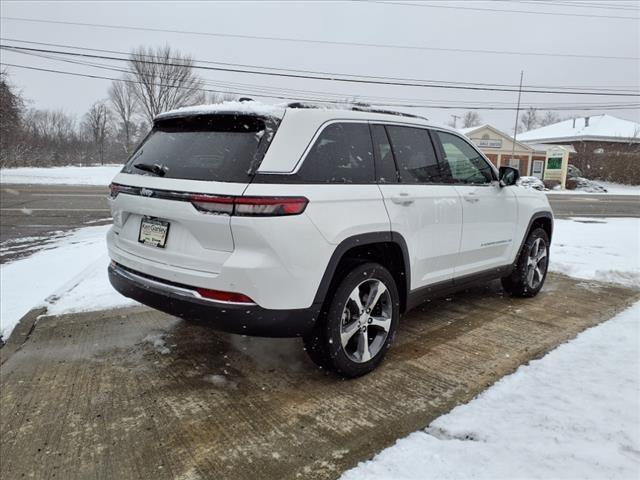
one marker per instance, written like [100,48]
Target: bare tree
[123,104]
[471,119]
[529,119]
[549,119]
[96,121]
[163,79]
[11,110]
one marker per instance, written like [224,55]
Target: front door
[489,212]
[537,168]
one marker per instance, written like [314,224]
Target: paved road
[137,394]
[581,205]
[33,215]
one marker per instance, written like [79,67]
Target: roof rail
[356,107]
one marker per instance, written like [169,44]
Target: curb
[20,333]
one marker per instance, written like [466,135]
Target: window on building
[465,163]
[342,154]
[514,163]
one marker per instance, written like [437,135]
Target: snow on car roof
[278,110]
[247,107]
[597,127]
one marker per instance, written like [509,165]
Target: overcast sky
[566,30]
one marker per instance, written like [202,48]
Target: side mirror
[508,176]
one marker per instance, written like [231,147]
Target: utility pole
[455,120]
[515,129]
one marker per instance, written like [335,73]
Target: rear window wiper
[156,169]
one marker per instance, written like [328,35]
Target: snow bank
[531,182]
[256,108]
[620,189]
[573,414]
[602,249]
[73,267]
[98,175]
[612,189]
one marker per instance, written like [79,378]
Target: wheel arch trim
[358,241]
[545,214]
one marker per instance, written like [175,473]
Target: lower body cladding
[233,317]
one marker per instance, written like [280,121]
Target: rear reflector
[221,296]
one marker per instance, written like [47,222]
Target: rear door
[422,206]
[489,212]
[170,205]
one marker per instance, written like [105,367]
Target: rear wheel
[354,333]
[531,269]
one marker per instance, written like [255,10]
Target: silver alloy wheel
[536,263]
[366,320]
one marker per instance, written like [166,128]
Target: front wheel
[355,332]
[531,268]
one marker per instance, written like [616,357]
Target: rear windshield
[222,148]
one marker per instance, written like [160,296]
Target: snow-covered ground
[95,175]
[70,275]
[574,414]
[603,249]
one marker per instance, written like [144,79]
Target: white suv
[316,222]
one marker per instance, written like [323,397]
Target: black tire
[525,281]
[370,338]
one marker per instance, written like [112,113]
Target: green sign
[554,163]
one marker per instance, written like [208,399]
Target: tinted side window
[415,155]
[385,164]
[341,154]
[465,163]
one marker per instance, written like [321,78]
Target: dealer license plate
[153,232]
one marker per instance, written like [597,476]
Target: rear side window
[341,154]
[465,163]
[415,155]
[223,148]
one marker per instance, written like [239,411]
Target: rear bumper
[180,301]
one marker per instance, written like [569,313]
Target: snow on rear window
[222,148]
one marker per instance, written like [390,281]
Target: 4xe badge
[146,192]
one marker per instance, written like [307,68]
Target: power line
[315,72]
[554,3]
[297,93]
[631,106]
[323,42]
[502,10]
[331,78]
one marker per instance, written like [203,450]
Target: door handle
[471,199]
[402,199]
